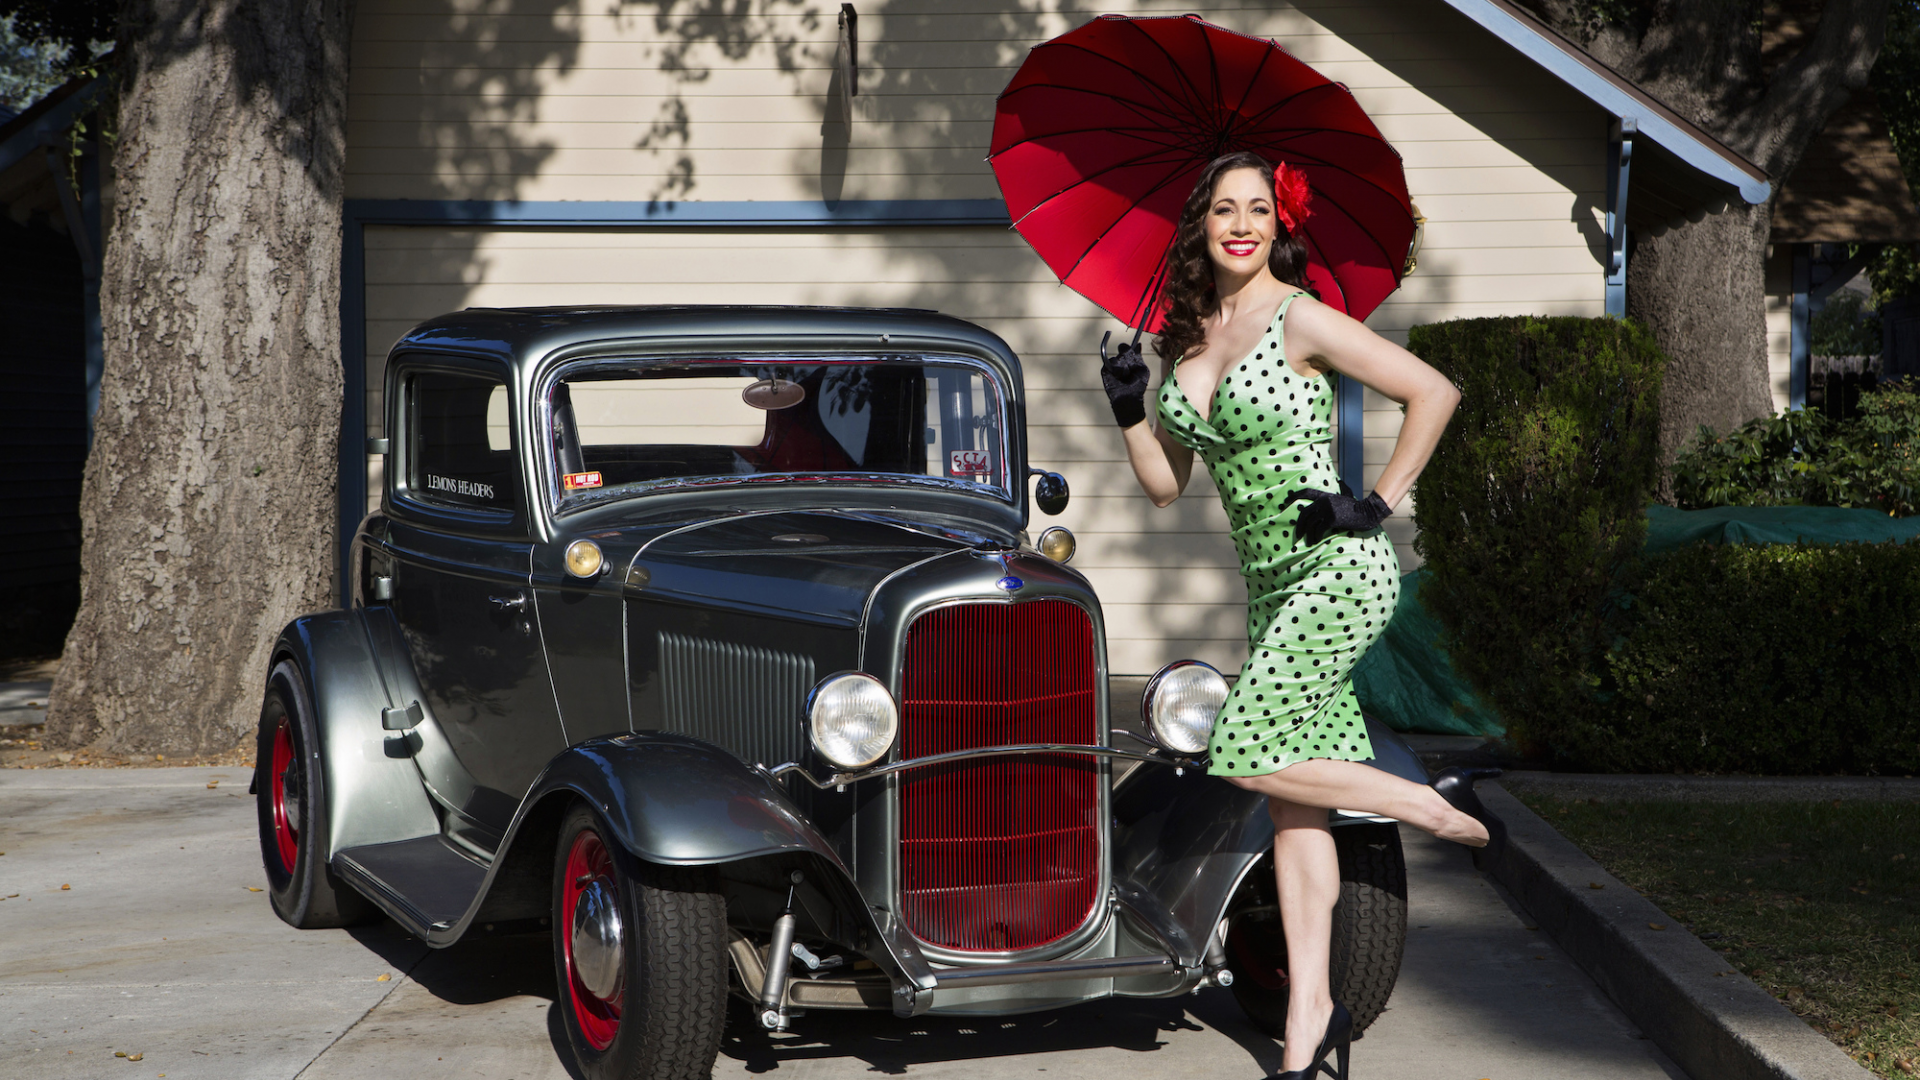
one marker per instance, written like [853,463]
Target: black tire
[1369,932]
[670,1005]
[291,804]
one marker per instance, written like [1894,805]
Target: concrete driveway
[159,948]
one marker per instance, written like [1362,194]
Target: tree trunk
[208,504]
[1701,290]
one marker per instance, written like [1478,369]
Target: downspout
[1619,161]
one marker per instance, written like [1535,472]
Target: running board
[425,883]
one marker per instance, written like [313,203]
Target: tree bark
[1701,290]
[207,509]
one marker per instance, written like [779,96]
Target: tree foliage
[70,26]
[29,67]
[1802,458]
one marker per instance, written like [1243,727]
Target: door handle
[516,603]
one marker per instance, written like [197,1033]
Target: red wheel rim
[1251,959]
[587,860]
[286,831]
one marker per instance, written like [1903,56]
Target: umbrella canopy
[1104,130]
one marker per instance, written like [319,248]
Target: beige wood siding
[455,101]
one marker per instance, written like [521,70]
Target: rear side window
[462,446]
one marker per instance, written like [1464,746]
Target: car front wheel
[1369,932]
[290,799]
[639,952]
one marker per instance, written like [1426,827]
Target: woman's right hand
[1161,464]
[1125,376]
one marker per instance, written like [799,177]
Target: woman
[1248,357]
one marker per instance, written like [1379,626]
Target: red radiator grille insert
[999,854]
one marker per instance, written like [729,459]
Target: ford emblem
[1011,583]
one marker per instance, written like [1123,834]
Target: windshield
[629,427]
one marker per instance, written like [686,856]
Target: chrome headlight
[1180,703]
[851,719]
[1057,544]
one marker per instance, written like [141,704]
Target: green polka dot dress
[1312,610]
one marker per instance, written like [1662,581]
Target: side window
[461,451]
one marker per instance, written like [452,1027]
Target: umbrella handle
[1104,338]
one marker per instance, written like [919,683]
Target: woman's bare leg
[1306,870]
[1354,785]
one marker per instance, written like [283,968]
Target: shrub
[1530,513]
[1778,658]
[1802,458]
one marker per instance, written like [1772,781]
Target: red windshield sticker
[969,463]
[574,481]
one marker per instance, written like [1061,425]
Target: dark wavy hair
[1188,296]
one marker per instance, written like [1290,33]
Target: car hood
[811,566]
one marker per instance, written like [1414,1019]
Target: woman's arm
[1161,465]
[1327,338]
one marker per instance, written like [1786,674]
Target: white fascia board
[1602,91]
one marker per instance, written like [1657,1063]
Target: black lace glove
[1328,512]
[1125,376]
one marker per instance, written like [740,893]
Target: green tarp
[1669,528]
[1407,680]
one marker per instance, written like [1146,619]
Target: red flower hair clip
[1292,197]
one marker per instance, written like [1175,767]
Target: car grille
[999,854]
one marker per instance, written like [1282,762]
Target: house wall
[459,99]
[1779,286]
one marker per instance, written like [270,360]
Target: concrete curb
[1728,789]
[1715,1024]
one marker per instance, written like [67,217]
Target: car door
[463,599]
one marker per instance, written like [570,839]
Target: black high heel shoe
[1338,1041]
[1456,786]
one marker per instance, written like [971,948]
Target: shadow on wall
[1399,37]
[444,103]
[796,32]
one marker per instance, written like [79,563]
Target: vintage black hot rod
[711,641]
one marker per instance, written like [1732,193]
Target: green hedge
[1530,513]
[1777,658]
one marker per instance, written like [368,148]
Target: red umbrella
[1104,130]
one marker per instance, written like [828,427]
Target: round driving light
[583,558]
[1057,544]
[1180,704]
[851,719]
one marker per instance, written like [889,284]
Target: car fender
[372,789]
[680,801]
[1184,843]
[676,800]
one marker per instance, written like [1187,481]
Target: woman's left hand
[1328,511]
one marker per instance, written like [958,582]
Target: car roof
[523,336]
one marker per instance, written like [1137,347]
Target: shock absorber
[773,989]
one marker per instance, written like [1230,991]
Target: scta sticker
[969,462]
[577,480]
